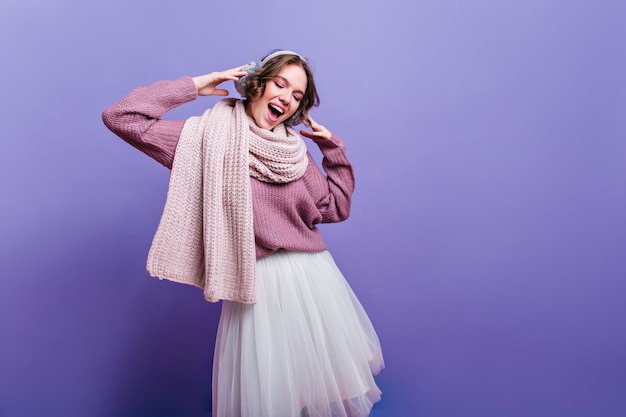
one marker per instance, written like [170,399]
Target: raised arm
[137,117]
[335,203]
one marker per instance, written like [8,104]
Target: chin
[271,126]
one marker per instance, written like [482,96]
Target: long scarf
[206,236]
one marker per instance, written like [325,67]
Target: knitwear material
[205,237]
[285,216]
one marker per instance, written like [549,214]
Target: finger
[317,127]
[233,77]
[227,77]
[314,125]
[314,135]
[307,134]
[238,71]
[232,74]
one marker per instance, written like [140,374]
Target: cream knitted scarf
[206,237]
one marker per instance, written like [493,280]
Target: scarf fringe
[205,236]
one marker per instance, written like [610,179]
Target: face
[281,98]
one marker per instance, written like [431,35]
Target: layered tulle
[306,348]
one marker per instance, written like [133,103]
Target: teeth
[278,109]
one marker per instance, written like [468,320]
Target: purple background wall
[488,230]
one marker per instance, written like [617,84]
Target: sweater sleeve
[335,205]
[137,117]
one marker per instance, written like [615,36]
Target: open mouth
[275,110]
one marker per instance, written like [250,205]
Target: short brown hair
[255,84]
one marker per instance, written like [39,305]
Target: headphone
[255,66]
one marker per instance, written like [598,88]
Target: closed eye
[297,97]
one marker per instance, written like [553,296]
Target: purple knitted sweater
[285,215]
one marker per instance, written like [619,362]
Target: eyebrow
[288,83]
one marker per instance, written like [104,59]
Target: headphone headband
[279,53]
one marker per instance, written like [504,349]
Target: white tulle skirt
[306,348]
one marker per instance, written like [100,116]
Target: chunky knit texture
[206,237]
[285,216]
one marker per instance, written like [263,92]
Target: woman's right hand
[207,84]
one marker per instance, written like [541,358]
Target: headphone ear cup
[253,67]
[240,84]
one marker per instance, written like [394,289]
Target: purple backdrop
[488,229]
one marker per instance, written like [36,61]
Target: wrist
[196,82]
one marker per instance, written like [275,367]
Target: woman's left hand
[317,130]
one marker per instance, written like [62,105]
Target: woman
[240,220]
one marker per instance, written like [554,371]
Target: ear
[240,84]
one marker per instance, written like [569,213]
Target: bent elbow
[337,212]
[343,213]
[109,117]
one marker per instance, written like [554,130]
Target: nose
[285,97]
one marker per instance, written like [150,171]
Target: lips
[275,109]
[275,112]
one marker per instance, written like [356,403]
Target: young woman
[240,220]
